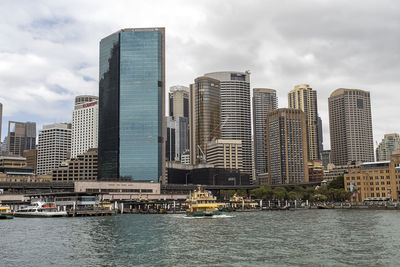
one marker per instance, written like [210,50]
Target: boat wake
[209,217]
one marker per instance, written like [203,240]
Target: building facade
[235,111]
[80,168]
[350,126]
[132,105]
[205,116]
[54,146]
[389,144]
[84,124]
[21,136]
[225,154]
[286,140]
[303,97]
[264,101]
[31,158]
[326,158]
[177,137]
[179,101]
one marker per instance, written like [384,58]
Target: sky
[49,49]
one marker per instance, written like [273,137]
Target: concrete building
[1,119]
[303,97]
[350,126]
[389,144]
[205,116]
[132,105]
[185,157]
[375,180]
[31,158]
[21,136]
[286,142]
[326,158]
[235,111]
[54,146]
[12,161]
[264,101]
[82,167]
[179,101]
[315,171]
[226,154]
[320,137]
[84,124]
[177,137]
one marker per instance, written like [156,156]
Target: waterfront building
[315,171]
[179,101]
[303,97]
[264,101]
[81,167]
[84,124]
[132,105]
[375,180]
[286,141]
[326,158]
[21,136]
[205,116]
[54,146]
[31,158]
[350,126]
[14,169]
[389,144]
[332,171]
[177,137]
[12,162]
[226,154]
[235,111]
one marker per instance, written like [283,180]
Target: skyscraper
[350,126]
[177,137]
[264,101]
[1,119]
[235,111]
[84,124]
[389,144]
[54,146]
[205,116]
[303,97]
[179,101]
[21,136]
[287,146]
[132,105]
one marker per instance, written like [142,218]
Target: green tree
[292,195]
[337,183]
[241,193]
[227,193]
[279,193]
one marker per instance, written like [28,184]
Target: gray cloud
[49,49]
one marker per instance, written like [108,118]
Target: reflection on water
[316,237]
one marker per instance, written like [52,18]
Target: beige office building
[205,116]
[389,144]
[286,141]
[226,154]
[350,126]
[303,97]
[179,101]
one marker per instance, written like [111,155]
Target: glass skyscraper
[131,106]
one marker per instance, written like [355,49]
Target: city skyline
[55,50]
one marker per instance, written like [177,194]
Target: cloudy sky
[49,49]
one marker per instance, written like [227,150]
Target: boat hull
[203,213]
[40,214]
[4,216]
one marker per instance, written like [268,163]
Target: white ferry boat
[40,209]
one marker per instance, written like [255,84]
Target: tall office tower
[389,144]
[179,101]
[286,139]
[54,146]
[84,124]
[235,111]
[326,158]
[320,137]
[177,138]
[132,105]
[303,97]
[264,101]
[21,136]
[350,126]
[226,154]
[205,116]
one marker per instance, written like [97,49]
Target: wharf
[86,213]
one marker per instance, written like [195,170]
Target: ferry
[40,209]
[6,213]
[202,204]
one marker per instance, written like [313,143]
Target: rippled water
[273,238]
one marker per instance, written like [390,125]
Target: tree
[292,195]
[279,193]
[227,193]
[337,183]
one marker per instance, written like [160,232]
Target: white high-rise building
[54,146]
[85,120]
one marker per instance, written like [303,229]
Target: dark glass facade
[131,108]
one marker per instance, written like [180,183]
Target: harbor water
[268,238]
